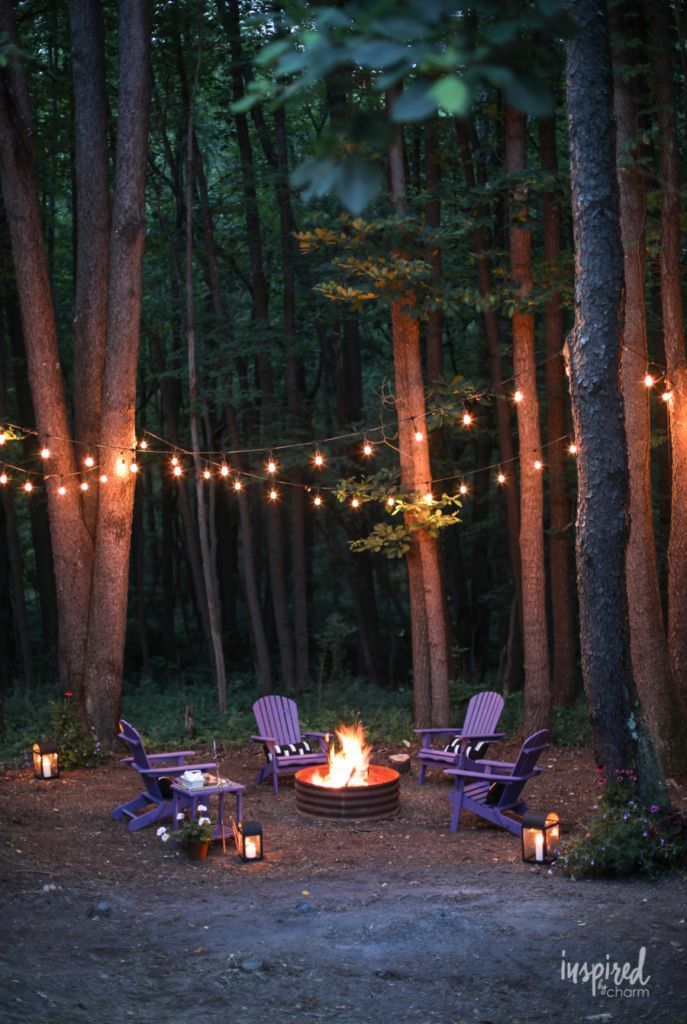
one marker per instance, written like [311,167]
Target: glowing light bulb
[103,478]
[206,474]
[467,419]
[317,500]
[271,466]
[463,489]
[667,396]
[121,467]
[237,485]
[83,485]
[419,436]
[537,464]
[367,448]
[355,503]
[89,461]
[3,437]
[428,498]
[318,459]
[224,471]
[143,444]
[28,487]
[390,501]
[45,453]
[62,490]
[518,396]
[177,471]
[3,479]
[649,381]
[133,467]
[175,461]
[501,478]
[273,495]
[572,448]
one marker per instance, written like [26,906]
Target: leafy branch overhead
[435,57]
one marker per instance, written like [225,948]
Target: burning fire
[348,762]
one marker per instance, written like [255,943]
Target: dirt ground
[371,923]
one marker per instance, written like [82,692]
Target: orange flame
[348,763]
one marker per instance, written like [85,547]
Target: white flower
[203,821]
[180,816]
[162,831]
[165,837]
[201,807]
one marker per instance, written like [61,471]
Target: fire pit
[348,786]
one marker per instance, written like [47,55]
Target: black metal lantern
[248,836]
[45,761]
[540,835]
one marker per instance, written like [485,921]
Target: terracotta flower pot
[197,850]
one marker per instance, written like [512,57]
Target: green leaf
[529,94]
[357,183]
[379,55]
[453,95]
[272,51]
[414,104]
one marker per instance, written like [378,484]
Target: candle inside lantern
[250,848]
[47,766]
[539,846]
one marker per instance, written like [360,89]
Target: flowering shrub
[623,837]
[78,747]
[192,828]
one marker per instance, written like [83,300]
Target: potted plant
[194,832]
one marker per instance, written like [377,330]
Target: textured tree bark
[273,521]
[92,221]
[208,562]
[563,680]
[250,576]
[621,739]
[72,543]
[299,573]
[433,218]
[676,359]
[648,645]
[427,612]
[480,244]
[532,559]
[117,435]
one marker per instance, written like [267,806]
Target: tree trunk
[433,219]
[648,645]
[72,544]
[209,564]
[535,639]
[427,612]
[117,436]
[621,739]
[563,686]
[676,358]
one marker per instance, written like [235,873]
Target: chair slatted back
[132,738]
[483,713]
[531,750]
[278,717]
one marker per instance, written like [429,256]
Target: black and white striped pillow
[288,749]
[475,751]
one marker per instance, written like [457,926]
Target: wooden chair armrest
[173,753]
[264,739]
[439,732]
[316,735]
[487,776]
[175,769]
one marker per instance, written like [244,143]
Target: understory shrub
[77,747]
[624,838]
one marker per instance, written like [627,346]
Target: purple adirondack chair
[481,717]
[286,748]
[492,788]
[155,801]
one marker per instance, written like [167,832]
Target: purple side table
[183,796]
